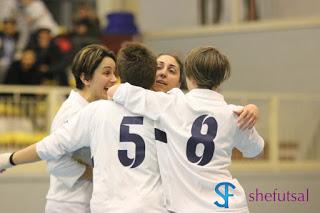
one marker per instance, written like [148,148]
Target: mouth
[161,82]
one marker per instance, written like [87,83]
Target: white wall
[155,15]
[265,61]
[273,9]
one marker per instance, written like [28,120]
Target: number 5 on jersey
[126,136]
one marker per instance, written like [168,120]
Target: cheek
[158,73]
[174,81]
[103,80]
[108,80]
[98,83]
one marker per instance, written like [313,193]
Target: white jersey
[196,135]
[41,17]
[65,186]
[126,175]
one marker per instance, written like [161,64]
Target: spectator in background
[8,44]
[220,11]
[85,11]
[251,13]
[8,8]
[216,10]
[24,71]
[41,47]
[63,55]
[81,35]
[38,16]
[51,60]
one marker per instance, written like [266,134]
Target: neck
[216,89]
[85,94]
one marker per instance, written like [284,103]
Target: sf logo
[224,193]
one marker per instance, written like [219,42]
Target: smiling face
[168,74]
[102,79]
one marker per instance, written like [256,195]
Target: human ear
[84,80]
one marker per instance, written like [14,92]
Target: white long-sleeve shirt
[126,175]
[65,172]
[196,135]
[41,17]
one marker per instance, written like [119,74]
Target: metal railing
[289,123]
[26,113]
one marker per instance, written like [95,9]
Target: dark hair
[82,21]
[207,66]
[182,78]
[43,29]
[136,65]
[87,60]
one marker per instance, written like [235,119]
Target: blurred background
[273,47]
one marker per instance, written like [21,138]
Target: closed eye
[172,69]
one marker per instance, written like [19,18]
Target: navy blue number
[205,139]
[126,136]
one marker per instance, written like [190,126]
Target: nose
[162,73]
[113,79]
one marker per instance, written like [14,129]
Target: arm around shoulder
[143,102]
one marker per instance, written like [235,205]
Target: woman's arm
[26,155]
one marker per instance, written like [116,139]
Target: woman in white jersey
[70,177]
[170,74]
[196,133]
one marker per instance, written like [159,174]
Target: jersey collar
[207,94]
[74,95]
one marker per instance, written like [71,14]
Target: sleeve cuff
[41,151]
[256,149]
[119,95]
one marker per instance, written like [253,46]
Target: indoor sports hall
[273,47]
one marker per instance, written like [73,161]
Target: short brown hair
[207,66]
[136,65]
[87,60]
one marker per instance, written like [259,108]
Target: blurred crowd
[34,50]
